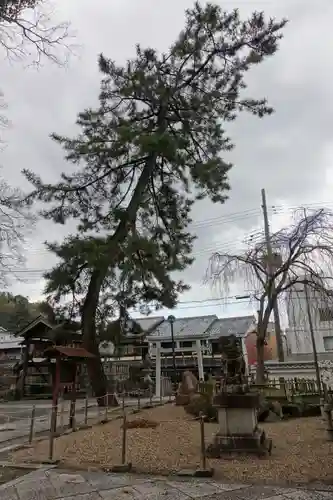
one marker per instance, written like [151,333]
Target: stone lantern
[237,408]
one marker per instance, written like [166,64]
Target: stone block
[238,421]
[236,400]
[196,473]
[121,468]
[257,443]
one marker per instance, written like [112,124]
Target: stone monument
[237,408]
[187,387]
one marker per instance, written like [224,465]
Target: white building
[10,345]
[298,332]
[196,337]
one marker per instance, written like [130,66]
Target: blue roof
[184,327]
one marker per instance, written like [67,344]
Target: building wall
[270,351]
[298,332]
[10,347]
[289,370]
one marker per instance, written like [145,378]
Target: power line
[241,215]
[221,246]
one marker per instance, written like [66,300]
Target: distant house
[10,346]
[190,333]
[131,338]
[239,326]
[298,332]
[270,349]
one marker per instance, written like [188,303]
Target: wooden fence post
[86,410]
[123,443]
[202,442]
[32,424]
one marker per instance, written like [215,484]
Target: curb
[195,473]
[121,468]
[29,466]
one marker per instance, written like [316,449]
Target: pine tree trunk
[95,368]
[96,373]
[260,375]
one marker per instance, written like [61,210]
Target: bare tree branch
[28,31]
[4,122]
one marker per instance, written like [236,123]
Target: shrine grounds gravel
[301,452]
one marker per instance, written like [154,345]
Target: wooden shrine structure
[68,361]
[50,353]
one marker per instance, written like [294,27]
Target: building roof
[148,324]
[35,327]
[138,329]
[236,325]
[70,352]
[183,328]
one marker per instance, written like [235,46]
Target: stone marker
[187,387]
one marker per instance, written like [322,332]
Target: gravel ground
[300,452]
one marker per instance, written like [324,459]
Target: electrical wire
[220,246]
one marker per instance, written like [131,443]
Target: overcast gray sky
[290,153]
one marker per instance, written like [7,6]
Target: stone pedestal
[238,426]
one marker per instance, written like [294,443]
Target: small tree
[155,143]
[304,255]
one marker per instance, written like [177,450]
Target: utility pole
[313,340]
[278,332]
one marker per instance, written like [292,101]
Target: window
[328,343]
[166,345]
[186,343]
[325,314]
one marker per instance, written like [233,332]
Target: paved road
[16,416]
[53,484]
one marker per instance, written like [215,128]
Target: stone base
[255,443]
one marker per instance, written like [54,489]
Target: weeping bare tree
[303,257]
[27,32]
[15,221]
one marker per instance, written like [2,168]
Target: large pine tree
[152,147]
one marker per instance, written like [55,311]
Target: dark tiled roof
[28,330]
[184,327]
[70,352]
[148,324]
[237,325]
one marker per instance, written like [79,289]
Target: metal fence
[28,424]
